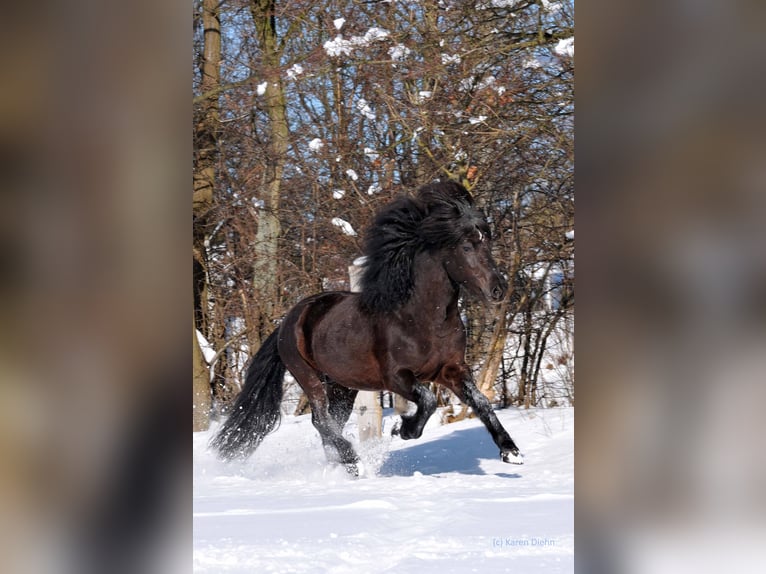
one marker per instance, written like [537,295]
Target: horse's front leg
[475,399]
[405,384]
[460,381]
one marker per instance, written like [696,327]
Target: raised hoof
[512,457]
[396,430]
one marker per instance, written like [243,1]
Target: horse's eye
[467,247]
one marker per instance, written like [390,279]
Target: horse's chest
[426,353]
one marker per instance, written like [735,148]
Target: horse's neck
[434,296]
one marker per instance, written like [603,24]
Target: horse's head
[470,264]
[461,234]
[442,221]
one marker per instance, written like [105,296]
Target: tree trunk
[369,413]
[202,395]
[202,200]
[265,283]
[524,375]
[207,125]
[494,353]
[543,344]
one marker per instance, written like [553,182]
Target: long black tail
[256,411]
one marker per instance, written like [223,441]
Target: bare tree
[329,109]
[206,128]
[277,133]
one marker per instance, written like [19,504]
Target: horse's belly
[352,373]
[350,363]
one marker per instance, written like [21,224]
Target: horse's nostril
[498,292]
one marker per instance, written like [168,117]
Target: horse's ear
[469,198]
[459,192]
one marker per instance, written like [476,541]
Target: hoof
[361,470]
[512,457]
[396,430]
[353,469]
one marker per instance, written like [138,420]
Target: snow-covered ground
[442,503]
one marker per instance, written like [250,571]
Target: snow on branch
[339,45]
[565,47]
[344,226]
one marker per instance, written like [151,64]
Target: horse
[402,329]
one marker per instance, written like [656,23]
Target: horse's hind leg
[341,402]
[337,449]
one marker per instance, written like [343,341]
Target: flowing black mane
[439,216]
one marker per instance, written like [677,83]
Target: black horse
[403,328]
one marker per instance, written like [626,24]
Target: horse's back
[298,326]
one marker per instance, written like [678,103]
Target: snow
[374,188]
[450,59]
[537,270]
[551,7]
[352,174]
[398,52]
[565,47]
[371,154]
[316,144]
[338,23]
[372,35]
[365,109]
[338,193]
[532,62]
[477,120]
[337,46]
[294,71]
[208,352]
[497,4]
[468,83]
[424,95]
[442,503]
[569,234]
[261,88]
[344,225]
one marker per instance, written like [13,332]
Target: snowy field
[442,503]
